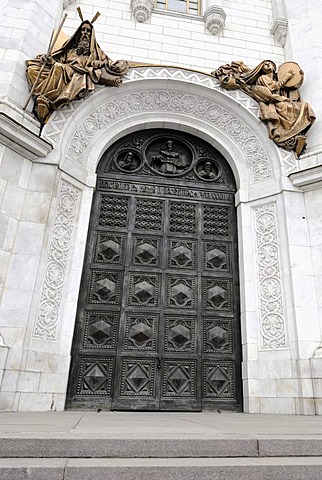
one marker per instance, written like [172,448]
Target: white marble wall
[303,45]
[24,32]
[175,39]
[45,199]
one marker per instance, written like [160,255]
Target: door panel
[158,315]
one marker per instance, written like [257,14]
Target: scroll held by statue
[71,72]
[287,117]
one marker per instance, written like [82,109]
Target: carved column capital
[279,30]
[141,9]
[214,18]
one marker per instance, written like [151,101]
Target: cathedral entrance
[158,317]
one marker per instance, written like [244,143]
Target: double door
[158,325]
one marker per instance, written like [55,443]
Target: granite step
[167,446]
[229,446]
[273,468]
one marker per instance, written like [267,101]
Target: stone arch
[172,98]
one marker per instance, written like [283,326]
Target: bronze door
[158,321]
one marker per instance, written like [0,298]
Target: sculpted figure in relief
[169,159]
[287,117]
[128,162]
[206,171]
[72,71]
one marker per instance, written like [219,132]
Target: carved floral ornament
[46,324]
[215,19]
[167,101]
[106,113]
[142,9]
[273,335]
[279,31]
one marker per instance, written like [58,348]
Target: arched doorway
[158,315]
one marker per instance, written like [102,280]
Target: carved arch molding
[105,109]
[158,324]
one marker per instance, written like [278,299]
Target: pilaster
[303,45]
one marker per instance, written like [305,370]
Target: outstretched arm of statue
[100,63]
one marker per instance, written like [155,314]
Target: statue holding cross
[71,72]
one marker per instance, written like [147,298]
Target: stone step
[273,468]
[228,446]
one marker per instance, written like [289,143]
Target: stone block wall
[304,46]
[176,39]
[25,31]
[27,190]
[314,209]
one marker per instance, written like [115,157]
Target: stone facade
[47,182]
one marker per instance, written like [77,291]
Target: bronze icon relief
[165,155]
[286,115]
[208,170]
[128,161]
[168,156]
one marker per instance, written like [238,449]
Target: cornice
[20,132]
[309,179]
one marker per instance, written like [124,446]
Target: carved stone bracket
[273,335]
[215,19]
[141,9]
[279,31]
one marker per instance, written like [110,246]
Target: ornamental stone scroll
[172,101]
[46,324]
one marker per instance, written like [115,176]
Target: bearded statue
[71,72]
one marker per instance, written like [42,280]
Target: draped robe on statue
[286,116]
[69,75]
[282,109]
